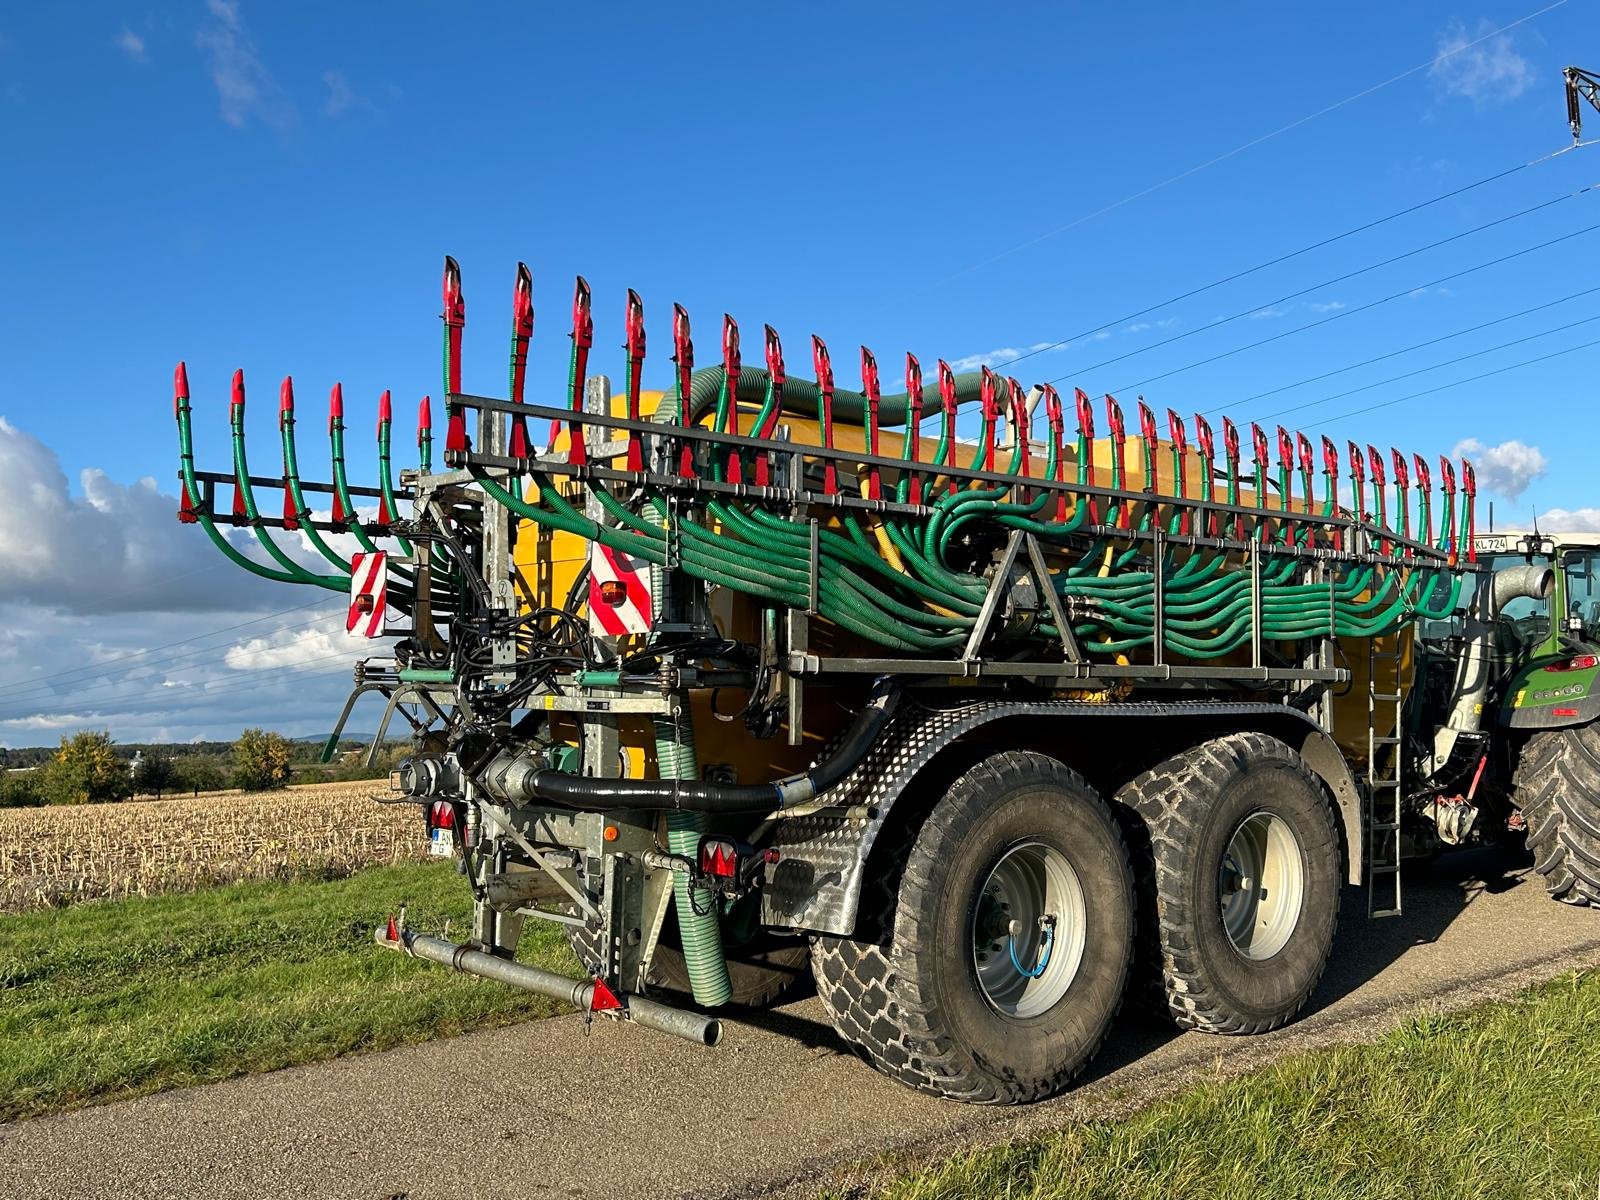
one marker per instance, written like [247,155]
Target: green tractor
[1528,696]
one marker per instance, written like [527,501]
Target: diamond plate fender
[816,884]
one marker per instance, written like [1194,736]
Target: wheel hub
[1028,930]
[1261,884]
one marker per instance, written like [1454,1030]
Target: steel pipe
[694,1027]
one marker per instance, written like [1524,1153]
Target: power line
[1350,312]
[1272,262]
[1267,305]
[108,705]
[46,690]
[1438,366]
[1471,379]
[27,684]
[1237,150]
[1367,362]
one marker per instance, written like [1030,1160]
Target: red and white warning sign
[619,592]
[368,581]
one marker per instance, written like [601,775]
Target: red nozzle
[913,413]
[285,401]
[1447,472]
[336,407]
[180,388]
[1147,424]
[385,408]
[823,365]
[1469,478]
[425,414]
[683,359]
[872,392]
[455,317]
[1330,456]
[455,306]
[989,401]
[870,389]
[730,374]
[582,316]
[1285,448]
[1402,478]
[1258,442]
[1204,438]
[1176,432]
[1085,414]
[1307,455]
[947,396]
[1424,476]
[522,303]
[1375,466]
[635,325]
[1230,444]
[1019,419]
[236,403]
[1358,463]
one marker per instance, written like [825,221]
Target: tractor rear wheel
[1557,787]
[1001,955]
[1238,864]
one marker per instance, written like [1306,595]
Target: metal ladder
[1385,791]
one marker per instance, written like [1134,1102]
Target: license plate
[442,844]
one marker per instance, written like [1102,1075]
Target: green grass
[1495,1102]
[108,1000]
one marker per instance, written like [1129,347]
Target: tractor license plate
[442,843]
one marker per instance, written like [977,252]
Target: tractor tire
[1219,952]
[1018,847]
[761,971]
[1557,787]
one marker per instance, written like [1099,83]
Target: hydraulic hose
[599,795]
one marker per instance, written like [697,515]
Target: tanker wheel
[762,966]
[1005,959]
[1239,881]
[1557,786]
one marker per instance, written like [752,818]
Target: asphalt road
[543,1109]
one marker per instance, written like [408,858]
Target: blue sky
[272,187]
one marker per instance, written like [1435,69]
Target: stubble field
[59,855]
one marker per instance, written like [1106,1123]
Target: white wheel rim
[1030,913]
[1261,885]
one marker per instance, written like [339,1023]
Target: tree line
[89,768]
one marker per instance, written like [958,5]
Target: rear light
[1563,712]
[732,862]
[441,815]
[719,858]
[613,592]
[1579,662]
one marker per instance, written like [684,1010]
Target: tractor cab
[1548,651]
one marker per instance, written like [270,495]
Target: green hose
[699,927]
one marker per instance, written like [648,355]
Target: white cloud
[116,549]
[1506,469]
[245,88]
[304,649]
[1330,306]
[1001,355]
[1570,520]
[1480,68]
[131,44]
[1262,314]
[343,97]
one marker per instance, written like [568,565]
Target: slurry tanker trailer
[763,677]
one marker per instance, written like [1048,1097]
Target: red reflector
[719,858]
[613,592]
[603,998]
[441,815]
[1563,712]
